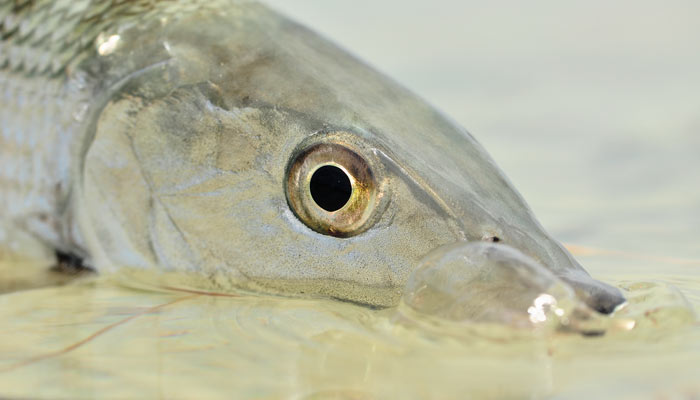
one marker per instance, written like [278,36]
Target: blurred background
[591,108]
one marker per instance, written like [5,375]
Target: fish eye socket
[332,189]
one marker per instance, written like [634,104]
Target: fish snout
[598,295]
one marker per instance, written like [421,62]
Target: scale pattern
[44,98]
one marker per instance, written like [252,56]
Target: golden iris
[332,188]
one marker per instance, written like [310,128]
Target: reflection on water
[596,126]
[98,337]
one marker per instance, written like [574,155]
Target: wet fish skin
[155,136]
[45,94]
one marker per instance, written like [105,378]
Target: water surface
[593,112]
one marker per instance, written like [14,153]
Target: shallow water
[592,111]
[99,338]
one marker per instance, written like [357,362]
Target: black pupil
[330,188]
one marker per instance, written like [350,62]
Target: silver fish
[218,139]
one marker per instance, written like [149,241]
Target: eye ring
[332,189]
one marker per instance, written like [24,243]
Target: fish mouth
[495,283]
[597,295]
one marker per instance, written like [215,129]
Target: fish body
[221,140]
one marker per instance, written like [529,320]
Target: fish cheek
[181,184]
[160,179]
[370,268]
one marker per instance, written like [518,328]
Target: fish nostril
[493,239]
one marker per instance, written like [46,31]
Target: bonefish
[219,139]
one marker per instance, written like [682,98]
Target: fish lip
[599,296]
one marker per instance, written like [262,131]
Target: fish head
[246,149]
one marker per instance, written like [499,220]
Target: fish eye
[332,189]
